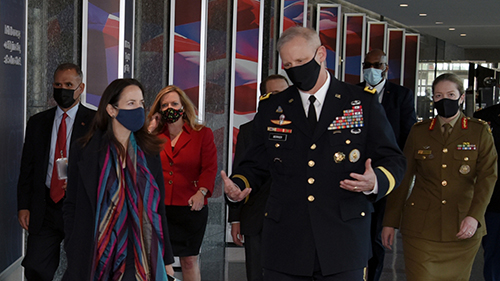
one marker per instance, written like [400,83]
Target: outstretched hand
[232,191]
[361,183]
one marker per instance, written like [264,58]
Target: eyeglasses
[374,65]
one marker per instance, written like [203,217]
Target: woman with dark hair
[439,206]
[114,215]
[189,161]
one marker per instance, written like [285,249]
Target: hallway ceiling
[478,19]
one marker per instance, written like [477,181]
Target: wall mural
[395,55]
[412,46]
[377,36]
[328,25]
[354,50]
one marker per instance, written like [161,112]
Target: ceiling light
[404,5]
[439,22]
[463,34]
[422,15]
[451,28]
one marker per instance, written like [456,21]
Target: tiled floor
[393,264]
[227,263]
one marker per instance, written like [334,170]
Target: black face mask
[64,97]
[305,76]
[446,107]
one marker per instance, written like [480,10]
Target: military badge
[338,96]
[354,156]
[466,146]
[279,110]
[290,100]
[370,90]
[465,123]
[281,121]
[265,96]
[433,124]
[355,131]
[351,118]
[464,169]
[355,102]
[339,157]
[279,130]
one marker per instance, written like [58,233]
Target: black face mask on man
[447,107]
[64,97]
[305,76]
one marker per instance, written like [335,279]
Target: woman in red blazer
[189,161]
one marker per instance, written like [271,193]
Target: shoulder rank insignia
[265,96]
[433,124]
[465,123]
[370,90]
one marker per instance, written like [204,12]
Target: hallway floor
[393,264]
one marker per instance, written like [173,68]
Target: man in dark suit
[330,152]
[39,209]
[491,246]
[247,219]
[399,107]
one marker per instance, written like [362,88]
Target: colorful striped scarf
[128,200]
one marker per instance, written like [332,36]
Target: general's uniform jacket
[307,211]
[453,179]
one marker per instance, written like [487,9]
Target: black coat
[79,209]
[249,213]
[307,212]
[399,107]
[31,188]
[492,116]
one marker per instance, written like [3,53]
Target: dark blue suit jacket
[31,186]
[399,106]
[307,211]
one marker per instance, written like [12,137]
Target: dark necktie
[56,191]
[446,132]
[311,113]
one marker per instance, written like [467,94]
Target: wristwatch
[204,192]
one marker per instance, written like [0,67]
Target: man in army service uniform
[330,152]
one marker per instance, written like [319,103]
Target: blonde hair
[189,115]
[309,34]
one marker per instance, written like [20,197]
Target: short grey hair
[307,33]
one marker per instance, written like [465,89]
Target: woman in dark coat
[114,216]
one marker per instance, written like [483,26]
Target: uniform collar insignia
[370,90]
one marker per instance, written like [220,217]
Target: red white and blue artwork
[395,55]
[329,30]
[354,34]
[186,65]
[103,25]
